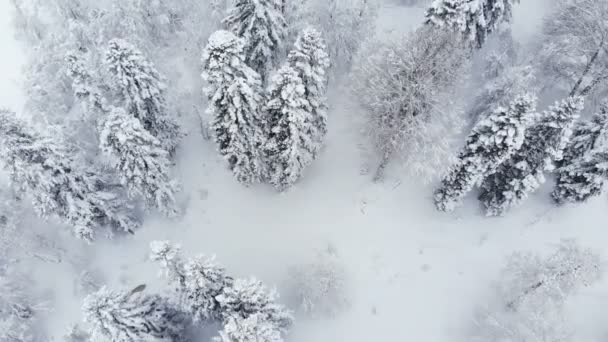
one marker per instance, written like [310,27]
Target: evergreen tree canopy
[493,141]
[142,164]
[290,147]
[261,25]
[130,316]
[582,172]
[524,172]
[59,183]
[474,19]
[310,59]
[142,92]
[234,93]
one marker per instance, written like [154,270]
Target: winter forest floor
[414,274]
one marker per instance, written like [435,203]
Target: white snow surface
[415,274]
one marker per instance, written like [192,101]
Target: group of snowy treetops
[268,125]
[105,110]
[113,88]
[200,297]
[512,146]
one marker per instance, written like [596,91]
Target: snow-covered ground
[414,274]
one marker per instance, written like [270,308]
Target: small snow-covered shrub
[530,297]
[320,287]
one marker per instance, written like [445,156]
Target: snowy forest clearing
[411,272]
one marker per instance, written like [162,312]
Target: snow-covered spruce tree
[574,48]
[310,59]
[132,316]
[531,295]
[247,311]
[473,19]
[142,91]
[523,173]
[581,173]
[234,92]
[250,313]
[84,85]
[59,182]
[407,88]
[251,329]
[290,147]
[142,164]
[261,25]
[492,142]
[197,281]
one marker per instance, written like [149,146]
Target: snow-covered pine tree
[132,316]
[142,91]
[247,311]
[84,84]
[251,329]
[234,92]
[250,313]
[523,173]
[473,19]
[261,25]
[142,164]
[310,59]
[290,147]
[581,173]
[59,182]
[88,91]
[531,295]
[197,281]
[492,142]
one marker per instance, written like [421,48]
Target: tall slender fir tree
[234,93]
[59,182]
[142,90]
[290,147]
[474,19]
[132,316]
[544,144]
[142,164]
[262,26]
[310,59]
[492,142]
[582,172]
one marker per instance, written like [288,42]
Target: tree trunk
[379,174]
[588,67]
